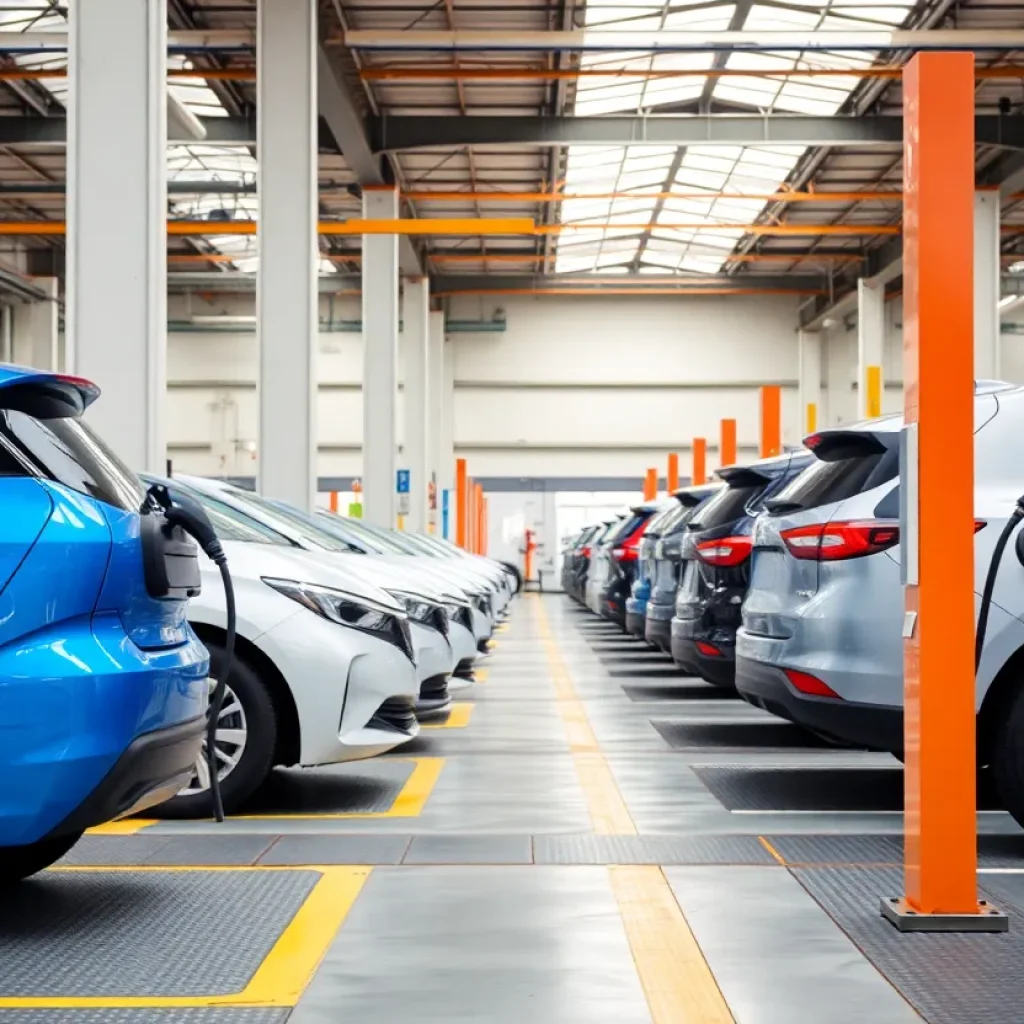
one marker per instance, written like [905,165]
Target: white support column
[446,429]
[870,340]
[435,404]
[35,336]
[116,292]
[987,273]
[415,343]
[809,343]
[286,292]
[380,359]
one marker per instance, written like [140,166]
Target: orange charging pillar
[771,420]
[461,503]
[700,461]
[727,445]
[478,519]
[672,477]
[937,532]
[483,528]
[471,515]
[651,485]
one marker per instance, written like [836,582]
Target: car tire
[1007,761]
[20,862]
[257,720]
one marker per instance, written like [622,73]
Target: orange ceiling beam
[528,74]
[635,290]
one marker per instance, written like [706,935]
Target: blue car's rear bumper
[92,726]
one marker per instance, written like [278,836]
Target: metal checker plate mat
[356,788]
[583,849]
[692,689]
[740,788]
[994,851]
[144,933]
[193,851]
[949,979]
[734,735]
[184,1015]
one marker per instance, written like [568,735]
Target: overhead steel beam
[620,40]
[177,40]
[346,125]
[511,282]
[52,131]
[397,133]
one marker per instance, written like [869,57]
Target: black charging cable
[990,579]
[187,513]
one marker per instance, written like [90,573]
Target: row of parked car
[114,629]
[781,580]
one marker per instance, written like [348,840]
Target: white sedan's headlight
[351,610]
[420,610]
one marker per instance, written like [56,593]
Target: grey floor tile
[470,850]
[382,849]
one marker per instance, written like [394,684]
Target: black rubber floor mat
[948,979]
[734,735]
[807,789]
[686,689]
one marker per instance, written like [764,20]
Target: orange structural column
[700,461]
[727,445]
[651,485]
[461,504]
[483,528]
[478,519]
[771,420]
[938,531]
[672,476]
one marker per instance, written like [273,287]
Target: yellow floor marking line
[408,804]
[458,718]
[481,675]
[286,970]
[608,811]
[124,827]
[771,849]
[676,979]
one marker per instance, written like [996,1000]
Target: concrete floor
[547,856]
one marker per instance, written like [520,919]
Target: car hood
[256,561]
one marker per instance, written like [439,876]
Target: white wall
[840,365]
[602,386]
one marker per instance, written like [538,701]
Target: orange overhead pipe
[700,461]
[483,226]
[672,476]
[727,445]
[771,420]
[633,290]
[940,774]
[464,73]
[496,196]
[651,484]
[461,503]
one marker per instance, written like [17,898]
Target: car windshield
[357,532]
[725,506]
[293,521]
[825,482]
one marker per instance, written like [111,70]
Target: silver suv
[821,644]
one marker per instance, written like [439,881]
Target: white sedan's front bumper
[351,690]
[435,663]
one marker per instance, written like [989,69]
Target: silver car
[821,640]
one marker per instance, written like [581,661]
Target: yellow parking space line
[676,979]
[124,827]
[481,675]
[608,811]
[458,718]
[771,849]
[409,803]
[492,643]
[286,970]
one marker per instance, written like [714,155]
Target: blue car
[103,684]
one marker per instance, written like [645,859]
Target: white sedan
[323,672]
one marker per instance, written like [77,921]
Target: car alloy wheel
[229,743]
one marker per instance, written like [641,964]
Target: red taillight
[833,542]
[726,551]
[979,524]
[627,553]
[586,552]
[804,682]
[708,650]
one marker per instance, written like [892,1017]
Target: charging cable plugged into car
[164,522]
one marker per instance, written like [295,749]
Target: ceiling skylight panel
[701,264]
[614,259]
[596,156]
[584,209]
[661,91]
[700,19]
[780,19]
[684,209]
[821,104]
[638,208]
[692,177]
[707,159]
[608,101]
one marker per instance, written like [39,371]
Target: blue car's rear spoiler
[45,396]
